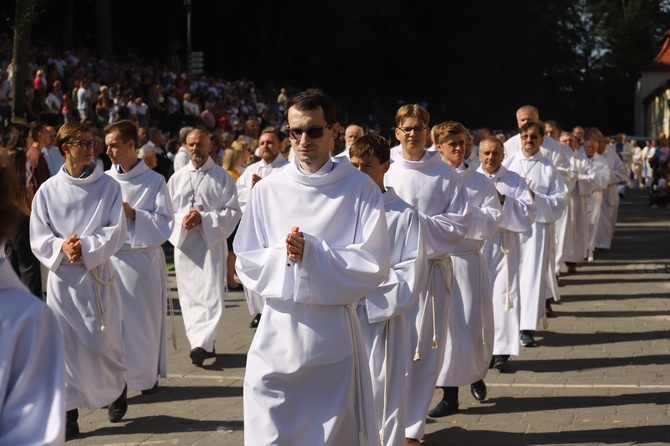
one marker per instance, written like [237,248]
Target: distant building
[652,94]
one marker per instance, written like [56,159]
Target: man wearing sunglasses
[312,242]
[550,195]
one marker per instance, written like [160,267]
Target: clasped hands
[295,244]
[72,248]
[191,220]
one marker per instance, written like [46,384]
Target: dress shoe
[527,339]
[118,408]
[548,310]
[151,391]
[443,409]
[254,322]
[412,442]
[199,354]
[572,269]
[500,364]
[478,390]
[232,286]
[71,425]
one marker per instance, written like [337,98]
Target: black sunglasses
[312,132]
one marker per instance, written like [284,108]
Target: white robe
[470,325]
[610,204]
[142,275]
[587,181]
[437,192]
[595,199]
[262,169]
[181,159]
[502,253]
[564,230]
[559,155]
[84,296]
[550,149]
[200,253]
[32,382]
[382,318]
[537,266]
[307,382]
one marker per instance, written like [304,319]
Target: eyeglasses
[85,144]
[313,132]
[408,130]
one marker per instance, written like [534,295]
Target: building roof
[662,61]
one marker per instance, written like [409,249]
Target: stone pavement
[600,374]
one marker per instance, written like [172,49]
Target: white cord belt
[446,268]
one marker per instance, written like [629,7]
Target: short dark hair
[371,145]
[35,128]
[126,128]
[311,99]
[530,124]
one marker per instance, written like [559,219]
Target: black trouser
[22,259]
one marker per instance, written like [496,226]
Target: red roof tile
[662,61]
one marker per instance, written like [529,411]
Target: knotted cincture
[448,281]
[96,283]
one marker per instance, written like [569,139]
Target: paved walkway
[600,375]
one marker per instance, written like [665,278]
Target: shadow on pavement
[594,297]
[168,394]
[579,364]
[551,339]
[621,435]
[164,424]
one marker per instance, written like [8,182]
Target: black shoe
[548,310]
[443,409]
[71,425]
[254,322]
[199,354]
[478,390]
[118,408]
[527,339]
[151,391]
[500,364]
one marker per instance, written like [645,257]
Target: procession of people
[389,266]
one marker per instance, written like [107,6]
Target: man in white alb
[140,264]
[307,381]
[204,200]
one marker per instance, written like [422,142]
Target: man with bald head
[204,199]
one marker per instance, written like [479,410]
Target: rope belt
[505,247]
[446,268]
[482,265]
[362,437]
[97,282]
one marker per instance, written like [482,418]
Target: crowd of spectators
[76,86]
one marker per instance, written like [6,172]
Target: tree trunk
[23,22]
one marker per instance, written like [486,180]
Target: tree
[26,13]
